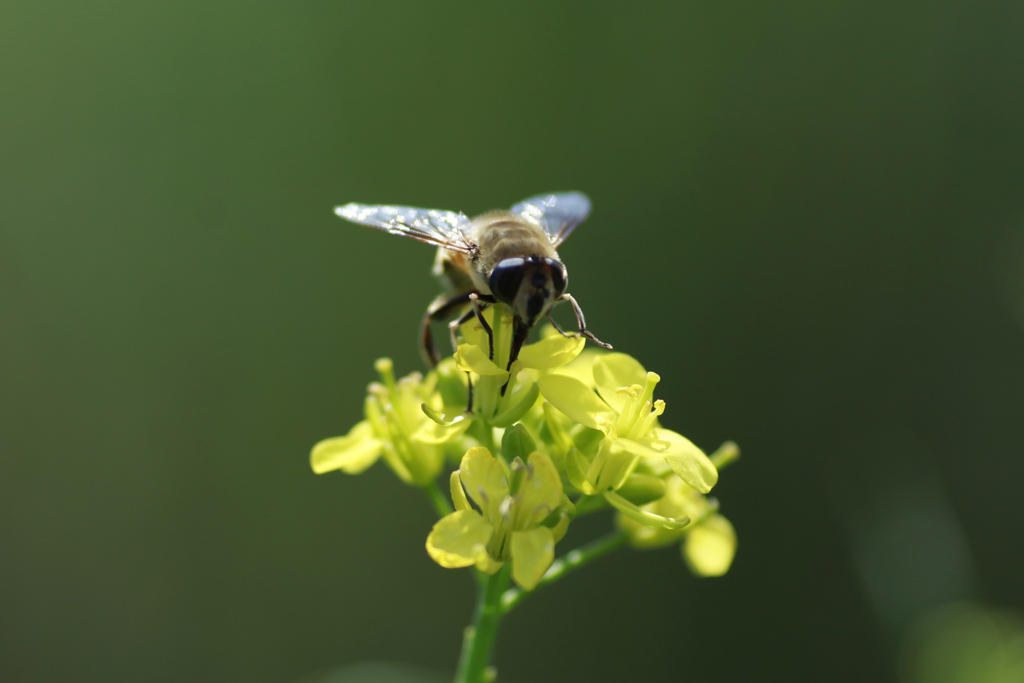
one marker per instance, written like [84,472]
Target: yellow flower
[396,428]
[508,527]
[620,404]
[502,396]
[708,544]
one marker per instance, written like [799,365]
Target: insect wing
[558,214]
[441,228]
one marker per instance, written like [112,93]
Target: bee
[506,257]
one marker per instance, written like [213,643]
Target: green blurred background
[808,218]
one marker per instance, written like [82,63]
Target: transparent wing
[558,214]
[441,228]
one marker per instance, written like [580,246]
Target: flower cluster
[558,433]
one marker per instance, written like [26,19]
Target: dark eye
[506,278]
[559,277]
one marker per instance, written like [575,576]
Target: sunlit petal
[688,461]
[551,352]
[458,539]
[352,453]
[709,547]
[532,553]
[575,399]
[472,358]
[484,480]
[615,370]
[539,494]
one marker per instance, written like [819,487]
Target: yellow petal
[685,459]
[709,547]
[575,399]
[688,461]
[351,453]
[484,479]
[539,494]
[472,358]
[532,553]
[459,538]
[473,333]
[551,352]
[582,368]
[614,370]
[459,499]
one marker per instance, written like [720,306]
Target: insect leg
[555,325]
[441,308]
[463,319]
[478,312]
[582,322]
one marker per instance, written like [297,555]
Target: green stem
[572,560]
[478,639]
[441,505]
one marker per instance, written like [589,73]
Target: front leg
[581,322]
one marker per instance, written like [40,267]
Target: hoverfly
[503,257]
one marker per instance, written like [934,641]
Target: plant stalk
[478,639]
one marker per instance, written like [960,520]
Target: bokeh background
[809,219]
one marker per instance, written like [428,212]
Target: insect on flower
[503,257]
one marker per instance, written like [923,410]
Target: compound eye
[506,278]
[559,277]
